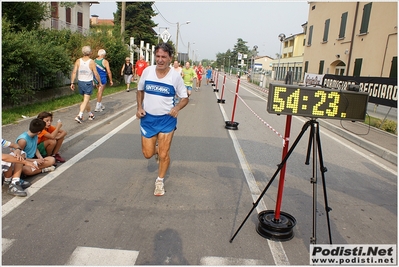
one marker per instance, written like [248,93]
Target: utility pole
[177,41]
[123,19]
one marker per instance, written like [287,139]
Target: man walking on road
[157,110]
[103,70]
[188,77]
[85,68]
[140,66]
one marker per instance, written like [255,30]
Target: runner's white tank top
[85,74]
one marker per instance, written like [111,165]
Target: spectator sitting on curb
[27,141]
[12,169]
[51,138]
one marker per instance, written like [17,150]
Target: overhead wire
[171,23]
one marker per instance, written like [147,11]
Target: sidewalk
[379,142]
[115,105]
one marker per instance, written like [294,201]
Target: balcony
[57,24]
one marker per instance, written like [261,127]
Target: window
[365,18]
[68,15]
[340,68]
[80,19]
[342,28]
[358,67]
[394,68]
[54,10]
[306,66]
[326,27]
[321,66]
[310,35]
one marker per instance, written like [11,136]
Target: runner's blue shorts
[189,88]
[85,88]
[103,79]
[151,125]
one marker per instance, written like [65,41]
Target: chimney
[94,19]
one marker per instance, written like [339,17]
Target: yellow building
[352,39]
[292,51]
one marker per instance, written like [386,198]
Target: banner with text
[382,91]
[313,79]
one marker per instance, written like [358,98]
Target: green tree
[224,59]
[139,23]
[30,58]
[25,15]
[239,47]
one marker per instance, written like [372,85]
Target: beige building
[292,51]
[264,63]
[352,39]
[69,15]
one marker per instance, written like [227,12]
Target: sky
[215,26]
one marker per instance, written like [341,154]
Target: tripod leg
[311,135]
[323,169]
[313,180]
[280,166]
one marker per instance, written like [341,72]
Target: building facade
[352,39]
[264,63]
[65,15]
[291,58]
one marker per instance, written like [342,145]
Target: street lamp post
[281,37]
[177,37]
[253,63]
[192,57]
[229,66]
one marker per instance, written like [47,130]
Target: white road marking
[276,248]
[228,261]
[16,201]
[6,244]
[88,256]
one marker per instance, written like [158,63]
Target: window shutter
[326,27]
[366,18]
[342,28]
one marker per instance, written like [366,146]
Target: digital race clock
[317,102]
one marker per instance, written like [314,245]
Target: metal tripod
[314,139]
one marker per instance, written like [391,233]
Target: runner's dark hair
[165,47]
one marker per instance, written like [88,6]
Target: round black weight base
[281,230]
[221,101]
[231,125]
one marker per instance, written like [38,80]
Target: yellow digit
[279,106]
[293,100]
[333,105]
[322,96]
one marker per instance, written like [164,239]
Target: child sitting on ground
[27,141]
[12,169]
[51,138]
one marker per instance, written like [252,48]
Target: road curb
[87,131]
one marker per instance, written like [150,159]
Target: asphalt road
[98,208]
